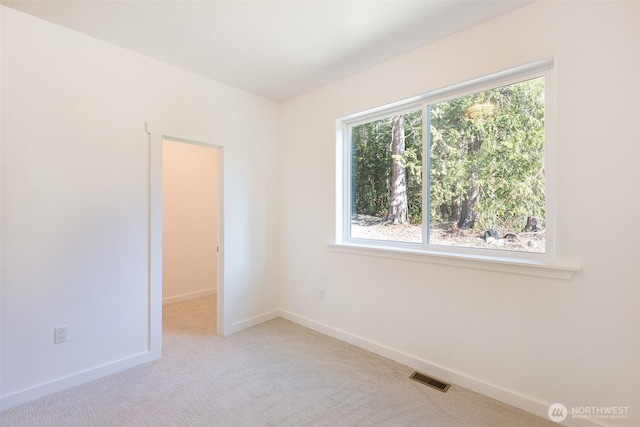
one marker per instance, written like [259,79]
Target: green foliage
[493,141]
[490,143]
[371,164]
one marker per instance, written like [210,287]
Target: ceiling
[276,49]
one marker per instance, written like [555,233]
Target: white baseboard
[509,397]
[247,323]
[61,384]
[186,297]
[490,390]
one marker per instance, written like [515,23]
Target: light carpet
[274,374]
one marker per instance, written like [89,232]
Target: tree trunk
[398,208]
[456,209]
[532,224]
[467,215]
[445,212]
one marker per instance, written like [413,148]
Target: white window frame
[440,253]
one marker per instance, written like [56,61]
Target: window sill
[505,265]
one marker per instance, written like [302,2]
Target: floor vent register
[429,381]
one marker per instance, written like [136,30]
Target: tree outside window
[484,163]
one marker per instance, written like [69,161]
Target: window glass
[484,164]
[487,181]
[386,184]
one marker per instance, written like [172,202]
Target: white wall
[75,190]
[530,341]
[189,221]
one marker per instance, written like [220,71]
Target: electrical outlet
[60,334]
[321,295]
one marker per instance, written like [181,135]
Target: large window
[462,169]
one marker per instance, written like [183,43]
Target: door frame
[156,135]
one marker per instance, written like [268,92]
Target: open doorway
[156,137]
[190,223]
